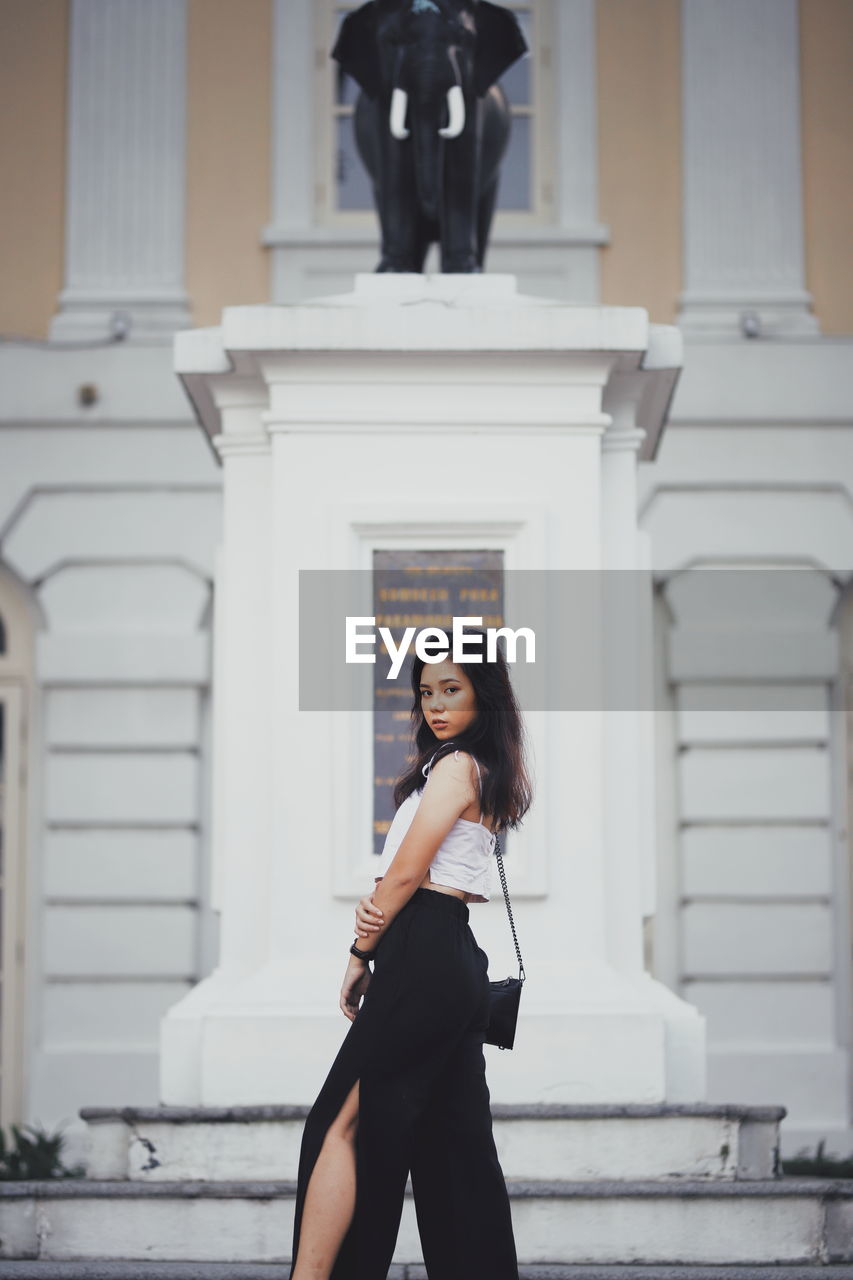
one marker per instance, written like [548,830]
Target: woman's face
[448,701]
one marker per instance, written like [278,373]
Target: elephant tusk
[456,112]
[399,106]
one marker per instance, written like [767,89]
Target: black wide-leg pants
[416,1048]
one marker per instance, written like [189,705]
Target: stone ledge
[544,1271]
[500,1111]
[671,1188]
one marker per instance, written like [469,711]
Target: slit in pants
[416,1048]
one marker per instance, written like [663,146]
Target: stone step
[272,1271]
[559,1141]
[593,1223]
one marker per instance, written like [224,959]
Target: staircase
[598,1193]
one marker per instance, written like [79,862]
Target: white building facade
[205,161]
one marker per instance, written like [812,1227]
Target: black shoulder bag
[504,997]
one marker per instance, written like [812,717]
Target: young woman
[407,1091]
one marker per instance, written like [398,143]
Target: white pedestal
[322,413]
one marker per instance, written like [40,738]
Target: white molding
[743,217]
[124,239]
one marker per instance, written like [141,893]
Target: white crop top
[463,859]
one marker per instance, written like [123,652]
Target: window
[344,192]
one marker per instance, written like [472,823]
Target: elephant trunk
[426,91]
[429,166]
[430,135]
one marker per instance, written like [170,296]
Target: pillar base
[609,1038]
[749,316]
[92,317]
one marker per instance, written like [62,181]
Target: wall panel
[826,57]
[639,153]
[228,154]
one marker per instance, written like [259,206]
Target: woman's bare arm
[447,794]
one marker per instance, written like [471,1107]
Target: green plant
[819,1165]
[34,1157]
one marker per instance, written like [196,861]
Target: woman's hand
[356,981]
[368,917]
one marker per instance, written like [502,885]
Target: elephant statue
[431,122]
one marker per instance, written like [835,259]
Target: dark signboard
[419,589]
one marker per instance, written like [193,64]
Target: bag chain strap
[499,857]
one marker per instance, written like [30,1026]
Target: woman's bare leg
[329,1197]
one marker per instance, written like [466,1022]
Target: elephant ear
[500,43]
[356,50]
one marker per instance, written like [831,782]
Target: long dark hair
[496,737]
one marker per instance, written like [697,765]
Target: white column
[244,632]
[627,770]
[648,737]
[242,759]
[125,183]
[743,218]
[621,736]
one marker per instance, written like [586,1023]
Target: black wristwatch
[362,955]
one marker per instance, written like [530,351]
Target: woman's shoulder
[461,764]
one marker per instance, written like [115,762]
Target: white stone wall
[111,525]
[113,521]
[758,882]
